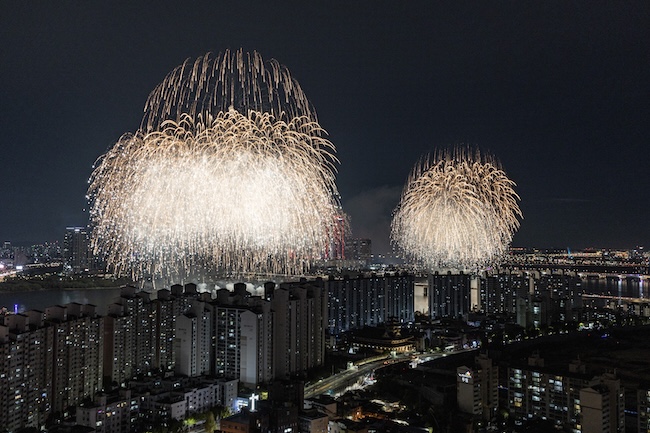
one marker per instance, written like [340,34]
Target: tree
[220,411]
[210,423]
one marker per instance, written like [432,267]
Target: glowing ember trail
[229,173]
[458,209]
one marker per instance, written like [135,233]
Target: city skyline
[557,92]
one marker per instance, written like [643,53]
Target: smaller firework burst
[458,209]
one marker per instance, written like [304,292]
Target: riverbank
[54,282]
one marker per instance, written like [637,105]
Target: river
[39,300]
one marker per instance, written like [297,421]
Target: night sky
[559,91]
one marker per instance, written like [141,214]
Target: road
[340,381]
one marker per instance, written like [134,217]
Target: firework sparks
[230,170]
[458,209]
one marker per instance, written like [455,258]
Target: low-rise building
[313,421]
[179,397]
[244,422]
[109,413]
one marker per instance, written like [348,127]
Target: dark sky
[559,91]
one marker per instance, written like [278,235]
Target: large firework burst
[458,209]
[229,170]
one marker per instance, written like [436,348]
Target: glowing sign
[466,376]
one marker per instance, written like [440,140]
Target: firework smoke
[458,209]
[229,172]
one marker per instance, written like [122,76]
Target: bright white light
[230,171]
[458,209]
